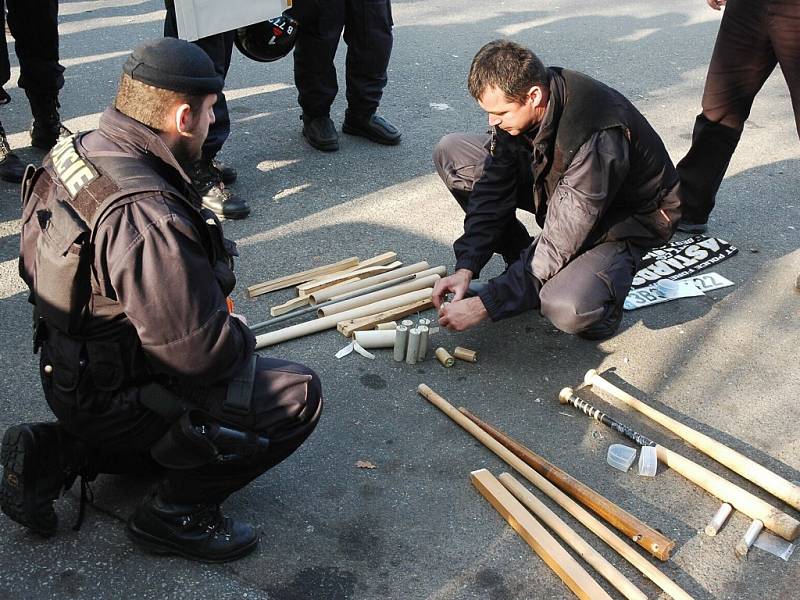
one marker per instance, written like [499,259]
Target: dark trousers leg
[784,31]
[368,35]
[586,297]
[219,49]
[314,71]
[742,60]
[5,65]
[459,159]
[286,406]
[34,25]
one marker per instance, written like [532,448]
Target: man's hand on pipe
[462,314]
[455,284]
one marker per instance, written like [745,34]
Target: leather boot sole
[20,462]
[164,547]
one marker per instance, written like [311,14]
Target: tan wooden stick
[300,277]
[341,289]
[573,540]
[289,333]
[735,461]
[645,536]
[348,327]
[409,286]
[559,560]
[281,309]
[572,507]
[754,507]
[344,277]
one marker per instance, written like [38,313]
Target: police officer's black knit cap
[173,64]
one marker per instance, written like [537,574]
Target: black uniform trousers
[34,25]
[754,36]
[120,430]
[583,298]
[219,48]
[367,26]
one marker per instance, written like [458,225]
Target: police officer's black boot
[38,460]
[11,167]
[195,531]
[46,126]
[209,181]
[372,127]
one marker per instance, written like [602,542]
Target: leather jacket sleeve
[162,277]
[574,210]
[492,205]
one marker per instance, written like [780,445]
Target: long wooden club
[735,461]
[754,507]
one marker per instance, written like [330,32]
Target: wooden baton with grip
[587,519]
[735,461]
[754,507]
[645,536]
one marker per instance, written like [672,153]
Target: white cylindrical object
[295,331]
[375,339]
[719,519]
[389,325]
[345,288]
[407,323]
[424,321]
[400,343]
[403,288]
[423,342]
[412,350]
[749,537]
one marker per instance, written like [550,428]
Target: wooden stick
[753,506]
[573,540]
[443,356]
[300,277]
[344,277]
[735,461]
[281,309]
[411,286]
[301,329]
[380,259]
[719,519]
[529,529]
[465,354]
[349,326]
[645,536]
[572,507]
[743,547]
[345,288]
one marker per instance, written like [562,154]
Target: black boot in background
[11,167]
[195,531]
[46,127]
[39,460]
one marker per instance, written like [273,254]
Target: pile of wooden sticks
[351,295]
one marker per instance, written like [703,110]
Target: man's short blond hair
[150,105]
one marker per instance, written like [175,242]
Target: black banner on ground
[681,258]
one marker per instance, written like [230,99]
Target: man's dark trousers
[219,48]
[34,25]
[586,296]
[367,26]
[753,37]
[285,407]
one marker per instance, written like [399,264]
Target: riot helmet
[267,41]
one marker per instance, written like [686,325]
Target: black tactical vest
[63,203]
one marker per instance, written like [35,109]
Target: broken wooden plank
[300,277]
[350,326]
[309,288]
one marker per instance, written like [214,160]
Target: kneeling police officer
[142,362]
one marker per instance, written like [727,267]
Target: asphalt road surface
[414,527]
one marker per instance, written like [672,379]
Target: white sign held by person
[200,18]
